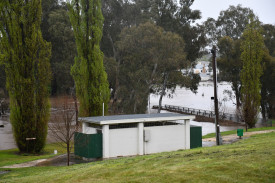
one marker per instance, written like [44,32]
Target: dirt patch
[62,161]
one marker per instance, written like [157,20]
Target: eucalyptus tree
[172,59]
[210,30]
[47,7]
[230,26]
[268,77]
[168,14]
[26,57]
[192,34]
[88,71]
[230,64]
[151,62]
[138,49]
[63,50]
[268,87]
[232,22]
[269,38]
[252,48]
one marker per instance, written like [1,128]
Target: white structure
[139,134]
[201,67]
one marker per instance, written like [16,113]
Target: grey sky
[264,9]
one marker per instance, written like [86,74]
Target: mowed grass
[248,160]
[210,135]
[12,156]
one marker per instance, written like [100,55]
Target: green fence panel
[195,137]
[88,145]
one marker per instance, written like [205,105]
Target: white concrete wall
[88,130]
[165,138]
[129,141]
[123,142]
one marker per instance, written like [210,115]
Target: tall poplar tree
[252,48]
[26,58]
[88,71]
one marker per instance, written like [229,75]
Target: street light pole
[214,64]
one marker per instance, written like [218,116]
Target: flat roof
[135,118]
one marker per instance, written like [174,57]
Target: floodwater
[201,100]
[6,136]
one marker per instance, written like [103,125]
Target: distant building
[201,67]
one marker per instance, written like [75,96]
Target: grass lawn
[9,157]
[248,160]
[210,135]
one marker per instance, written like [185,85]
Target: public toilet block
[126,135]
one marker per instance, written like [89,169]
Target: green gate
[195,137]
[88,145]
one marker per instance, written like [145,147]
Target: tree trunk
[162,91]
[238,99]
[68,154]
[237,92]
[75,105]
[117,75]
[263,107]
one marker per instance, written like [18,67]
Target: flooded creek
[182,97]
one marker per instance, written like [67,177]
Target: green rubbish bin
[195,136]
[240,133]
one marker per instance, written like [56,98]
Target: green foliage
[230,64]
[139,50]
[63,50]
[226,31]
[269,38]
[26,60]
[210,30]
[170,15]
[232,22]
[47,7]
[90,78]
[56,28]
[252,48]
[151,60]
[115,19]
[268,78]
[268,87]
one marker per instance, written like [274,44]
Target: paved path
[227,139]
[27,164]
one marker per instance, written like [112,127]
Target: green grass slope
[249,160]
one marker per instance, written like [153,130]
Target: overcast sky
[264,9]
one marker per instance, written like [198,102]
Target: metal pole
[103,109]
[149,104]
[213,51]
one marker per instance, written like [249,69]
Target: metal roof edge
[170,118]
